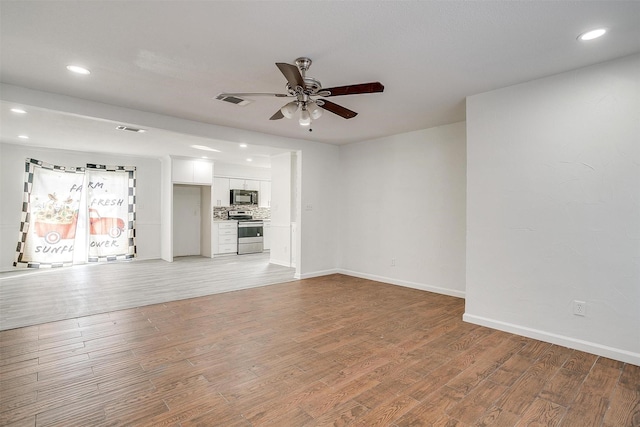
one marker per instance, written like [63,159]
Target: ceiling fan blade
[292,74]
[355,89]
[278,95]
[277,116]
[337,109]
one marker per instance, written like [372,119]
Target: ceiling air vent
[233,99]
[130,129]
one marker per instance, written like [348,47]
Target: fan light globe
[289,109]
[305,118]
[314,110]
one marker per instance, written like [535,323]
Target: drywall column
[280,252]
[166,217]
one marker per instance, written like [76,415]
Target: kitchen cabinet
[221,187]
[202,172]
[264,195]
[191,171]
[225,237]
[221,195]
[244,184]
[181,171]
[266,235]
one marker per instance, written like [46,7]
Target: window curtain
[111,204]
[90,209]
[50,207]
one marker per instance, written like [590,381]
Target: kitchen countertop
[227,220]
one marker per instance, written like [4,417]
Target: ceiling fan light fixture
[314,110]
[289,109]
[305,118]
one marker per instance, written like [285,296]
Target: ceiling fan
[306,91]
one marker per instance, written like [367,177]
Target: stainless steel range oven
[250,232]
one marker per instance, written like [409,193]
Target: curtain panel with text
[111,204]
[50,208]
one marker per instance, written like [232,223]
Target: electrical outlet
[393,262]
[579,308]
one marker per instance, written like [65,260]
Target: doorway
[187,218]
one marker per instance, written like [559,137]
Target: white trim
[576,344]
[278,262]
[319,273]
[405,283]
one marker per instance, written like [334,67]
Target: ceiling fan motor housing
[312,85]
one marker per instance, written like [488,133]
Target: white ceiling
[173,57]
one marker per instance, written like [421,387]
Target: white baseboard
[576,344]
[405,283]
[319,273]
[281,263]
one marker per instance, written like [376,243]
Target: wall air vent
[130,129]
[233,99]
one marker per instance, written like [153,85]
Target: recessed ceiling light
[18,111]
[593,34]
[23,136]
[243,145]
[202,147]
[77,69]
[249,160]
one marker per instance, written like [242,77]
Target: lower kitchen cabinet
[225,237]
[266,233]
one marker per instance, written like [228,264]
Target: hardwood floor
[333,350]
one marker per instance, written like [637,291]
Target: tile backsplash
[221,212]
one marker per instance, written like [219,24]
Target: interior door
[186,220]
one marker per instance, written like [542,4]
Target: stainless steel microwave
[244,197]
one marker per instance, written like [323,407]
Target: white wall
[404,203]
[12,158]
[553,208]
[319,212]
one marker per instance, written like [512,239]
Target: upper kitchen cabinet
[244,184]
[221,187]
[191,171]
[264,195]
[221,192]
